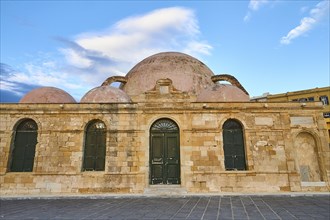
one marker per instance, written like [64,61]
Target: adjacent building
[303,96]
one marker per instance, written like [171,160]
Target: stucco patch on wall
[264,121]
[302,121]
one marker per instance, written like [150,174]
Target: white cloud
[307,23]
[90,58]
[181,19]
[10,86]
[132,39]
[41,74]
[76,59]
[247,17]
[202,48]
[254,5]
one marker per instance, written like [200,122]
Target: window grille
[164,125]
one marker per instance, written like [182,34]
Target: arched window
[233,145]
[24,146]
[95,145]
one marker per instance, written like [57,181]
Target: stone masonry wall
[270,134]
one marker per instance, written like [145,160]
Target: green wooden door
[24,147]
[164,153]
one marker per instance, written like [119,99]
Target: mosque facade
[171,126]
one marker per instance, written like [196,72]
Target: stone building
[171,126]
[309,95]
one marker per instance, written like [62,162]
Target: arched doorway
[24,146]
[233,145]
[164,152]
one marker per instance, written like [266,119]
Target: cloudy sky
[268,45]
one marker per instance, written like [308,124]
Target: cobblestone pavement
[189,207]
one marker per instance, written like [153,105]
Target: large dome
[187,73]
[47,95]
[105,94]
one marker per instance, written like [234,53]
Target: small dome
[47,95]
[186,72]
[223,93]
[105,94]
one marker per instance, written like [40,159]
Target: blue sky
[268,45]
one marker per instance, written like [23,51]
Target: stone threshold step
[165,190]
[165,186]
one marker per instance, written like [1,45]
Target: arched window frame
[95,134]
[234,145]
[23,147]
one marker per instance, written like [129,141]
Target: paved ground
[189,207]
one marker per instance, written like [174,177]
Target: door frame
[165,132]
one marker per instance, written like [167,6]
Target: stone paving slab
[188,207]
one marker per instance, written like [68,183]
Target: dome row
[187,74]
[101,94]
